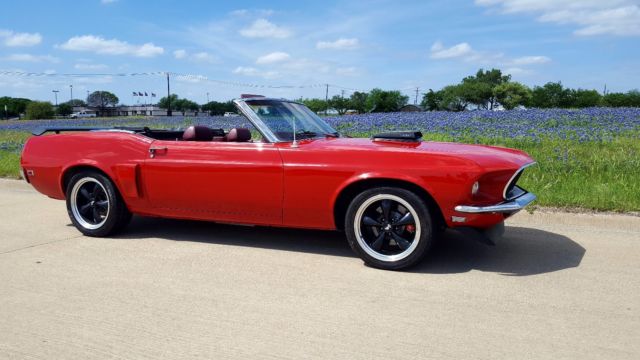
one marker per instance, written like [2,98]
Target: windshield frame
[243,106]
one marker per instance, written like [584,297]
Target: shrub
[39,110]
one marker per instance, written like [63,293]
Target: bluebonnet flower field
[587,158]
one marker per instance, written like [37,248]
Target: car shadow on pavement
[522,251]
[309,241]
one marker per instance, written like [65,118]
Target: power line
[190,77]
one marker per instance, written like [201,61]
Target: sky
[219,50]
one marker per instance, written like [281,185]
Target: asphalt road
[560,286]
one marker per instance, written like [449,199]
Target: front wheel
[389,228]
[94,205]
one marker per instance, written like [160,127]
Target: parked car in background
[229,113]
[83,114]
[391,194]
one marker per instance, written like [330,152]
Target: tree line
[490,89]
[487,89]
[16,107]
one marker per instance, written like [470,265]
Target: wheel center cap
[388,227]
[92,203]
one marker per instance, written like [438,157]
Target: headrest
[239,135]
[197,133]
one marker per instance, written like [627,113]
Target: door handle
[154,150]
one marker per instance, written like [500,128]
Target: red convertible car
[391,194]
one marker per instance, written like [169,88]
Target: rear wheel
[94,205]
[389,228]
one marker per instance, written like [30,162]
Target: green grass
[9,164]
[590,175]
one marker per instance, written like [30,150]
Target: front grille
[512,191]
[509,191]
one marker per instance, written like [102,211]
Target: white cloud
[464,51]
[258,12]
[100,45]
[340,44]
[202,57]
[180,54]
[14,39]
[263,28]
[348,71]
[516,71]
[273,57]
[251,71]
[439,51]
[592,17]
[528,60]
[30,58]
[84,66]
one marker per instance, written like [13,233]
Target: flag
[140,94]
[145,94]
[153,94]
[135,93]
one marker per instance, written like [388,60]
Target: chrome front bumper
[511,206]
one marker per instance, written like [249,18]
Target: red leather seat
[239,135]
[198,133]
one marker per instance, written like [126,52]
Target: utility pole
[168,96]
[342,94]
[71,96]
[207,97]
[55,93]
[605,90]
[326,100]
[415,101]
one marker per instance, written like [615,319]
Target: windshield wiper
[334,134]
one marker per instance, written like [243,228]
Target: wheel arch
[351,190]
[69,171]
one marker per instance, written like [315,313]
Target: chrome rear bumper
[511,206]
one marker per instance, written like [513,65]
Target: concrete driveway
[560,286]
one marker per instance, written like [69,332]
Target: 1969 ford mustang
[391,194]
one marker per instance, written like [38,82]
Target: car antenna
[294,144]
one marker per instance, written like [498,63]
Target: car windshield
[283,117]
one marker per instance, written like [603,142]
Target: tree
[453,98]
[315,105]
[218,108]
[385,101]
[185,105]
[339,104]
[512,94]
[479,89]
[77,102]
[550,95]
[64,109]
[630,99]
[39,110]
[164,102]
[358,101]
[582,98]
[432,100]
[15,106]
[102,100]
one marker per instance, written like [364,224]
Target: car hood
[483,155]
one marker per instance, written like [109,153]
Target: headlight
[474,188]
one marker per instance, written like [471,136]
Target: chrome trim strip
[255,120]
[514,205]
[504,192]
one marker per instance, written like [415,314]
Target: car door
[210,180]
